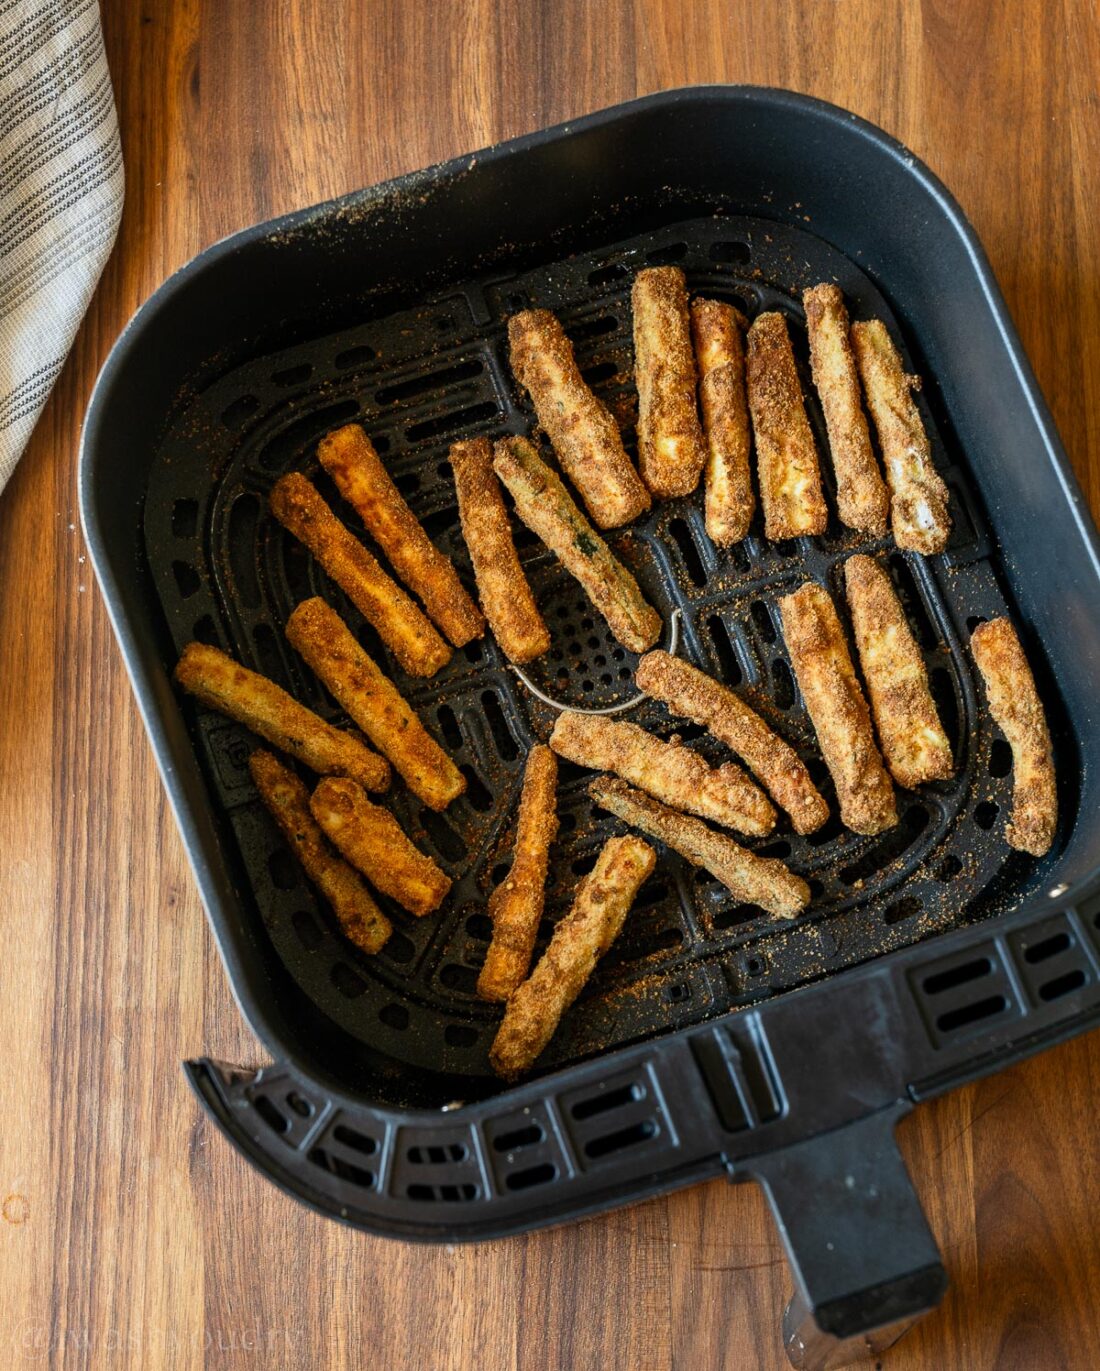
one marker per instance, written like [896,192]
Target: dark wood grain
[129,1234]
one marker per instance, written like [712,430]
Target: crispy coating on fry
[720,358]
[668,771]
[841,719]
[908,724]
[223,684]
[786,457]
[287,799]
[348,455]
[505,595]
[862,500]
[671,451]
[599,910]
[544,505]
[919,513]
[699,697]
[401,625]
[374,843]
[581,428]
[373,702]
[762,881]
[516,905]
[1015,705]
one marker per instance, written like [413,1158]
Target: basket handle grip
[864,1260]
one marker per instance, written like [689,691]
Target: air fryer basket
[389,308]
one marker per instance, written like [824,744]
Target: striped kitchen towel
[60,196]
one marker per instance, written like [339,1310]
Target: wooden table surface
[130,1234]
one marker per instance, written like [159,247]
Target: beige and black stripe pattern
[61,187]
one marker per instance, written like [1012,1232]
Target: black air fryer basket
[712,1039]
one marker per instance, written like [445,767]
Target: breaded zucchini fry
[919,514]
[671,451]
[599,910]
[786,457]
[1015,705]
[373,702]
[516,905]
[668,771]
[287,799]
[841,719]
[505,595]
[862,500]
[544,505]
[763,881]
[348,455]
[223,684]
[374,843]
[581,428]
[401,625]
[705,701]
[908,724]
[720,358]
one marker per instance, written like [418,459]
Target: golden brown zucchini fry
[720,357]
[401,625]
[515,906]
[908,724]
[671,452]
[373,702]
[862,500]
[699,697]
[505,595]
[919,514]
[786,457]
[841,719]
[668,771]
[544,505]
[223,684]
[1015,705]
[348,455]
[287,799]
[599,910]
[585,436]
[762,881]
[374,843]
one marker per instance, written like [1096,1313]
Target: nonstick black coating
[227,573]
[376,1109]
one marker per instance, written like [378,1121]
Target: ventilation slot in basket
[604,1103]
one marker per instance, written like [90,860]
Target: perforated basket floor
[227,573]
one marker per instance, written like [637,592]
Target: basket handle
[864,1260]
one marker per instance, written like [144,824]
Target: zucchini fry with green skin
[544,505]
[372,700]
[720,356]
[908,724]
[762,881]
[217,680]
[862,500]
[1015,705]
[581,428]
[372,840]
[599,910]
[287,800]
[699,697]
[505,595]
[348,455]
[400,623]
[669,772]
[786,457]
[837,709]
[919,514]
[671,452]
[516,905]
